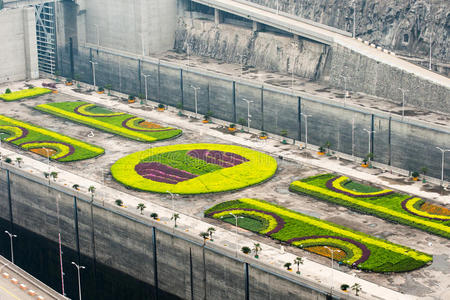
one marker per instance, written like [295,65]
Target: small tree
[19,161]
[246,250]
[47,175]
[288,266]
[241,122]
[256,248]
[328,145]
[141,207]
[119,202]
[108,87]
[175,217]
[357,288]
[284,134]
[76,187]
[8,91]
[91,190]
[154,216]
[298,261]
[424,171]
[8,160]
[54,175]
[211,230]
[205,236]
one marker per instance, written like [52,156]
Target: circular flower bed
[194,168]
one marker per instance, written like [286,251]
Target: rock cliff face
[404,26]
[241,45]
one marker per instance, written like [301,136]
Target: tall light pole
[403,100]
[142,44]
[442,163]
[48,158]
[332,269]
[146,86]
[431,37]
[369,133]
[278,7]
[11,236]
[93,71]
[248,112]
[294,46]
[173,200]
[187,52]
[306,128]
[196,88]
[79,277]
[236,217]
[354,19]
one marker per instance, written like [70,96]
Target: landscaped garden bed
[194,168]
[22,94]
[385,204]
[356,249]
[102,118]
[45,142]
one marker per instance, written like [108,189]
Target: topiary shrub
[8,91]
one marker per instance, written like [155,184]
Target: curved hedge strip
[101,118]
[194,168]
[28,137]
[22,94]
[390,206]
[362,251]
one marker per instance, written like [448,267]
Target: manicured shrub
[246,250]
[28,93]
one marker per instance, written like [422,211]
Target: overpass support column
[257,26]
[296,38]
[218,17]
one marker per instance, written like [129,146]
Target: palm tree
[357,288]
[298,261]
[141,207]
[19,161]
[174,218]
[54,175]
[76,187]
[256,249]
[119,202]
[205,236]
[211,230]
[288,266]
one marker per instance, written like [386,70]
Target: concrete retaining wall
[110,237]
[18,53]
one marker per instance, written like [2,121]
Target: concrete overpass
[319,33]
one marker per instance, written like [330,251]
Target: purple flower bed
[405,208]
[365,251]
[71,148]
[223,159]
[280,221]
[330,186]
[24,133]
[162,173]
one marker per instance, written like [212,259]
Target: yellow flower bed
[269,218]
[339,231]
[37,91]
[62,149]
[93,121]
[15,132]
[338,185]
[362,203]
[259,168]
[84,110]
[411,208]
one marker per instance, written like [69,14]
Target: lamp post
[48,158]
[146,86]
[294,46]
[196,88]
[278,7]
[142,44]
[442,163]
[306,128]
[369,132]
[173,200]
[354,19]
[248,112]
[431,37]
[79,278]
[403,100]
[11,236]
[236,217]
[93,71]
[332,269]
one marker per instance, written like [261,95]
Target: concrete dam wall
[151,253]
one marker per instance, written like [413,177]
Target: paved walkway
[225,240]
[16,284]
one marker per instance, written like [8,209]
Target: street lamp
[332,269]
[48,158]
[11,236]
[442,163]
[306,128]
[93,70]
[236,217]
[173,200]
[79,279]
[369,133]
[196,88]
[146,86]
[248,112]
[403,100]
